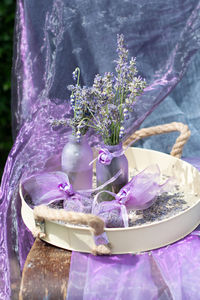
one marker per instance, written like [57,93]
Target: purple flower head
[121,49]
[72,101]
[76,74]
[105,157]
[121,132]
[78,136]
[71,87]
[126,114]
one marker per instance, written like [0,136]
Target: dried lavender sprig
[122,88]
[108,103]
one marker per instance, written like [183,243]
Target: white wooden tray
[139,238]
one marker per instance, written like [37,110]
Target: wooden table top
[46,273]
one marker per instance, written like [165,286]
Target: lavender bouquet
[106,105]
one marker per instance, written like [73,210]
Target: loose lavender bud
[121,132]
[72,100]
[74,75]
[126,114]
[78,112]
[78,136]
[71,87]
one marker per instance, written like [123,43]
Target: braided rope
[166,128]
[95,223]
[37,233]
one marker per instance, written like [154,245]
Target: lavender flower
[126,114]
[121,132]
[107,104]
[76,74]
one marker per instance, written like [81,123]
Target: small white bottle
[75,160]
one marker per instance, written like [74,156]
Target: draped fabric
[52,37]
[168,273]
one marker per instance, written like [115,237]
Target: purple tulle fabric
[44,188]
[79,203]
[142,189]
[168,273]
[52,37]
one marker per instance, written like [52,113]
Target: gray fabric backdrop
[53,37]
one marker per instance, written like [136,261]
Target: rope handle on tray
[96,224]
[165,128]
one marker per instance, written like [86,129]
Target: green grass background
[7,15]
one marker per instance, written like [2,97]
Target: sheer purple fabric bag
[51,39]
[55,189]
[138,194]
[44,188]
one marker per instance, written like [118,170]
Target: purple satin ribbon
[101,239]
[105,157]
[67,188]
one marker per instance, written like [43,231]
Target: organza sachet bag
[43,188]
[138,194]
[55,189]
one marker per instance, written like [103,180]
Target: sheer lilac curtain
[52,37]
[168,273]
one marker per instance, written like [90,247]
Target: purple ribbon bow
[82,200]
[121,197]
[67,188]
[105,156]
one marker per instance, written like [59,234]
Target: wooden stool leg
[46,273]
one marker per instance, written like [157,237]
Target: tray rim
[135,228]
